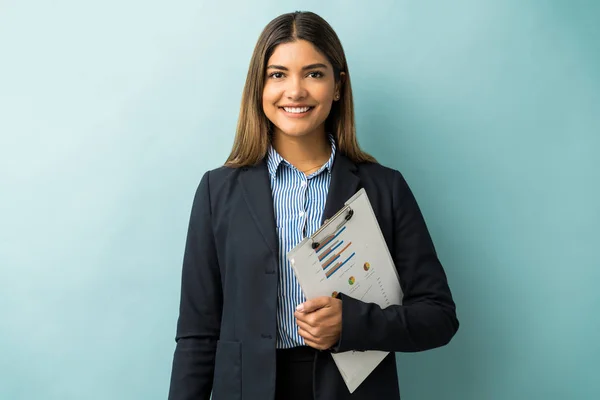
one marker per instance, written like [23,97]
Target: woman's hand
[320,322]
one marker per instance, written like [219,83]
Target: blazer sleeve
[199,321]
[427,317]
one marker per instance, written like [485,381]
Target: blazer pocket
[227,381]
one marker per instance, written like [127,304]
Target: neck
[306,153]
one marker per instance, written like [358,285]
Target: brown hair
[253,128]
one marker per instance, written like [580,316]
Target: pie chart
[351,280]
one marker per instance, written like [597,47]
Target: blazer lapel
[344,184]
[257,193]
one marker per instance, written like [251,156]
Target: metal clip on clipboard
[349,213]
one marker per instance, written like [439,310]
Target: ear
[338,86]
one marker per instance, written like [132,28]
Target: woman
[245,331]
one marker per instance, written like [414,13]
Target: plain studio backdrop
[111,111]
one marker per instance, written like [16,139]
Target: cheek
[270,93]
[268,105]
[326,101]
[266,109]
[265,98]
[325,96]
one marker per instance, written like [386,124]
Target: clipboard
[348,254]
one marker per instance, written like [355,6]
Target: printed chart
[334,253]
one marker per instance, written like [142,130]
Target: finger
[314,304]
[315,345]
[313,319]
[316,316]
[313,342]
[306,318]
[313,330]
[307,335]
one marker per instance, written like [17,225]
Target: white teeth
[296,110]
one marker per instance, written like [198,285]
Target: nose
[295,89]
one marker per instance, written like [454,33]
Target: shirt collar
[274,159]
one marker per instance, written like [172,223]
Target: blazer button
[265,336]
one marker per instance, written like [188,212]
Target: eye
[316,74]
[276,75]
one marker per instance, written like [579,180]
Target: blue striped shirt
[299,203]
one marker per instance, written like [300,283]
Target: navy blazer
[227,319]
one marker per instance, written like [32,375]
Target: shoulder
[385,179]
[376,169]
[214,182]
[379,173]
[220,176]
[223,183]
[216,178]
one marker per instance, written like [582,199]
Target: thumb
[313,304]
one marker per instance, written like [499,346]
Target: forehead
[297,54]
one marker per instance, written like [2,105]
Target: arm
[427,317]
[200,307]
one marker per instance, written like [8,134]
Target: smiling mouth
[296,110]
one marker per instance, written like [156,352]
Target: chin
[294,133]
[297,132]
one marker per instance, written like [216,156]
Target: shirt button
[303,183]
[302,213]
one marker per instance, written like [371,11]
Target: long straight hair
[253,134]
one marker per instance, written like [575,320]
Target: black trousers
[294,379]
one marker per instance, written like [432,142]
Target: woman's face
[299,89]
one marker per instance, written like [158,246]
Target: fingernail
[300,307]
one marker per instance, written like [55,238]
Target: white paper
[353,259]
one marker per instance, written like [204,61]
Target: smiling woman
[298,62]
[297,97]
[245,329]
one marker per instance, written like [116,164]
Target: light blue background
[112,110]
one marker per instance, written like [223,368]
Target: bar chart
[334,253]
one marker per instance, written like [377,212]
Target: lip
[296,115]
[296,105]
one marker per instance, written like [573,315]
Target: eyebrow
[311,66]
